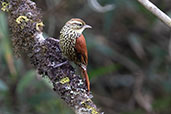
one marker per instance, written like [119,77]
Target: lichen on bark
[26,34]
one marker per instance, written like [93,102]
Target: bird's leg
[56,40]
[60,64]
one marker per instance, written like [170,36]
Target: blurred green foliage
[103,70]
[127,35]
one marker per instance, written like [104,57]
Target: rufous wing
[81,49]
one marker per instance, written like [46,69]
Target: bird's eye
[80,25]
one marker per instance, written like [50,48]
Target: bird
[73,45]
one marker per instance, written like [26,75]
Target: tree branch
[156,11]
[26,28]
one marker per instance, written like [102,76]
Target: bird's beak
[87,26]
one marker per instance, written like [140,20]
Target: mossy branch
[26,32]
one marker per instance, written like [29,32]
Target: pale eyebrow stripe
[75,22]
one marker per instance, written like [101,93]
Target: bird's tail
[84,72]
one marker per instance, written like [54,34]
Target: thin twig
[156,11]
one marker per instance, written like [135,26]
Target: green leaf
[3,86]
[25,81]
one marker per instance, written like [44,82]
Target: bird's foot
[56,40]
[58,65]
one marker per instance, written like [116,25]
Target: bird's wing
[81,49]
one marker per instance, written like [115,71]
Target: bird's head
[77,25]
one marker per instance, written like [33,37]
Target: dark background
[129,63]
